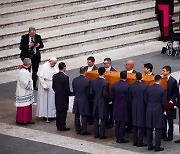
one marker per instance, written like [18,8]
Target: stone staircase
[74,28]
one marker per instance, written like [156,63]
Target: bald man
[130,66]
[129,69]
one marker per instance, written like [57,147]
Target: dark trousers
[119,130]
[35,66]
[110,121]
[158,134]
[80,127]
[168,133]
[138,133]
[61,119]
[90,118]
[99,131]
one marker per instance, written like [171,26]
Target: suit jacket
[94,67]
[168,2]
[62,91]
[137,101]
[99,90]
[172,95]
[81,92]
[156,102]
[112,69]
[24,46]
[120,101]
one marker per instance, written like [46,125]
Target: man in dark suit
[29,46]
[171,98]
[91,64]
[129,65]
[120,109]
[156,103]
[91,67]
[148,68]
[81,102]
[178,102]
[62,91]
[109,123]
[137,101]
[99,90]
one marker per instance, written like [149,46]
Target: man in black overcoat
[156,103]
[120,107]
[99,90]
[62,91]
[81,102]
[137,102]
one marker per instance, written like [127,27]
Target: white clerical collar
[108,69]
[101,77]
[149,73]
[130,71]
[90,68]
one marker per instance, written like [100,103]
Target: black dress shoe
[122,141]
[64,129]
[96,136]
[141,145]
[31,122]
[20,123]
[103,137]
[178,141]
[35,88]
[159,149]
[150,148]
[86,133]
[78,133]
[167,139]
[135,144]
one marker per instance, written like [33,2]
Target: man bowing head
[46,96]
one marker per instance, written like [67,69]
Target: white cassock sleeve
[42,82]
[25,81]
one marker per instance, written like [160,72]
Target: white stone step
[87,49]
[84,8]
[37,5]
[65,21]
[14,42]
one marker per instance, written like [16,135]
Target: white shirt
[149,73]
[90,68]
[108,69]
[30,42]
[130,71]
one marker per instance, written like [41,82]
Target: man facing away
[99,90]
[62,91]
[46,97]
[120,107]
[81,102]
[156,102]
[171,98]
[137,101]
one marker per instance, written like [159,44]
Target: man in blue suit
[120,107]
[109,123]
[137,102]
[80,87]
[171,98]
[178,102]
[99,90]
[91,67]
[156,103]
[62,91]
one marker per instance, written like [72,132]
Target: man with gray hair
[29,46]
[24,94]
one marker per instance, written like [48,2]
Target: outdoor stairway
[72,28]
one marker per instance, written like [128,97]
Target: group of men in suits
[143,107]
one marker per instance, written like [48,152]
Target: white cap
[53,59]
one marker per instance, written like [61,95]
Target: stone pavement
[45,136]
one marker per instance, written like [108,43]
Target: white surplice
[45,74]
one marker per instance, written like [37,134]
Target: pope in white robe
[46,96]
